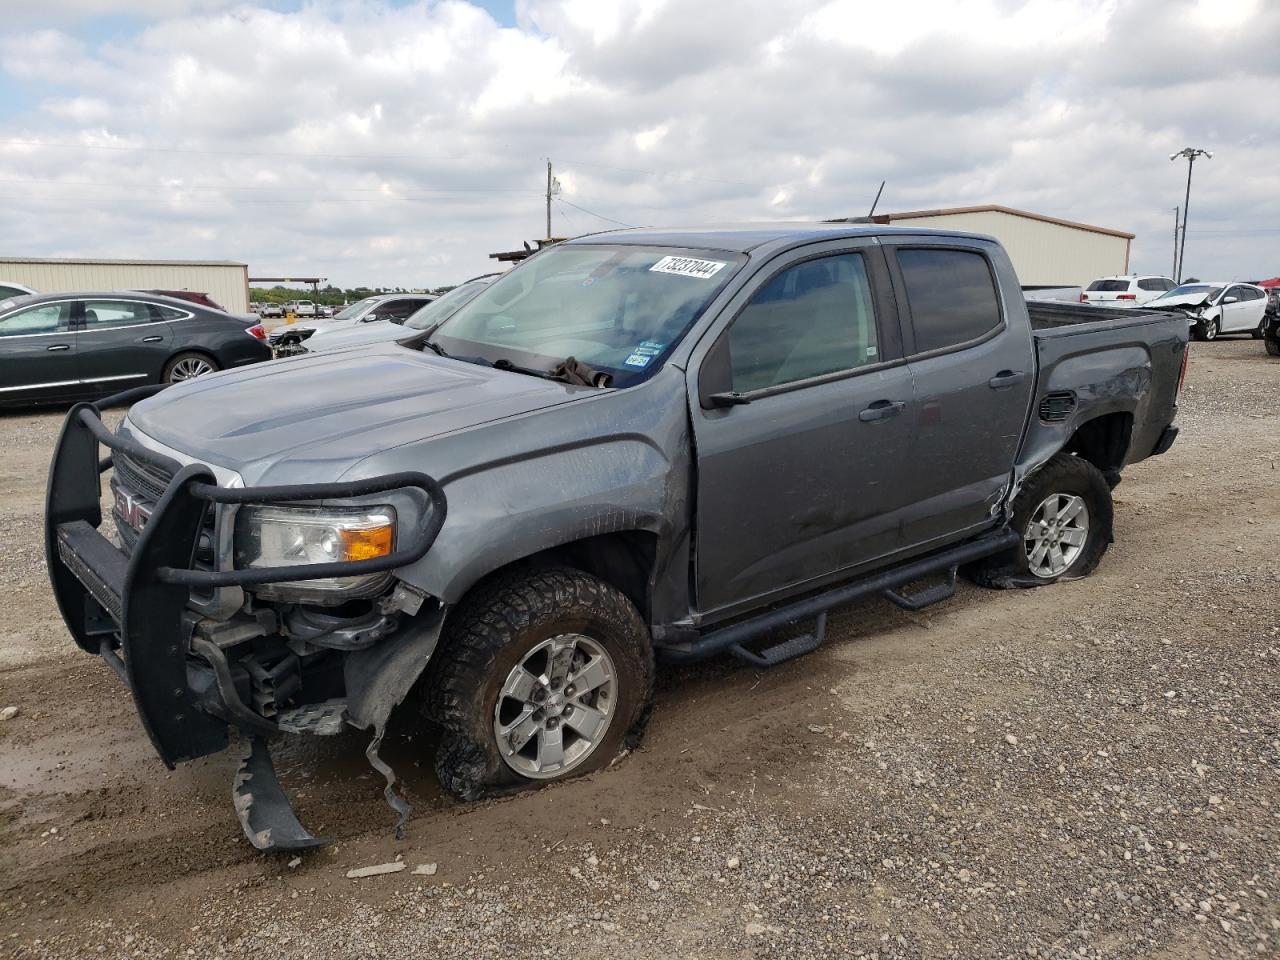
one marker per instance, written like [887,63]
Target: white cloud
[400,145]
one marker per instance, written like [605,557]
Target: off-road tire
[1272,345]
[491,631]
[1067,474]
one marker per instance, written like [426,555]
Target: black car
[71,346]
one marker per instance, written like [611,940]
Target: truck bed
[1050,315]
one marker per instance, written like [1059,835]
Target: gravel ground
[1088,770]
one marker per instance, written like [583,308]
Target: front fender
[507,511]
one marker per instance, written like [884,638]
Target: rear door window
[952,296]
[115,313]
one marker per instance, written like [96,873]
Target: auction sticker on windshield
[687,267]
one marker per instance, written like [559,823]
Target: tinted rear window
[1109,286]
[952,295]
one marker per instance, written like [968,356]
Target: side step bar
[732,639]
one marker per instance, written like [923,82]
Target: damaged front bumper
[136,610]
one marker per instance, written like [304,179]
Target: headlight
[293,536]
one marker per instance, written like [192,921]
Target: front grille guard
[140,601]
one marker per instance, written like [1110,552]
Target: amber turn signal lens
[367,544]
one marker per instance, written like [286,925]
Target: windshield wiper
[435,348]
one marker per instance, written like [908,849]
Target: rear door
[799,478]
[122,342]
[38,354]
[972,359]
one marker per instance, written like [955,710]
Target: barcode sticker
[687,267]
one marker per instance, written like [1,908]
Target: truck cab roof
[746,237]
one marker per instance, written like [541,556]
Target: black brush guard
[132,609]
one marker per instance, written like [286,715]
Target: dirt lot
[1087,770]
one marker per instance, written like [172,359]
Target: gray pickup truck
[637,445]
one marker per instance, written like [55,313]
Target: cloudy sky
[401,142]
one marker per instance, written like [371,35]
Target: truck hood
[375,331]
[310,418]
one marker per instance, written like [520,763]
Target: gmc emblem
[132,511]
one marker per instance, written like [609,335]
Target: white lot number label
[687,267]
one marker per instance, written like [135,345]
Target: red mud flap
[268,820]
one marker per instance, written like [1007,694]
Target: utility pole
[1190,153]
[548,200]
[1176,211]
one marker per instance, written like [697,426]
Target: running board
[265,815]
[731,639]
[927,597]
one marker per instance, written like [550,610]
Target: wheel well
[624,559]
[1104,442]
[208,355]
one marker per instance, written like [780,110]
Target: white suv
[1126,291]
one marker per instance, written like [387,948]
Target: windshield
[346,313]
[447,304]
[1190,289]
[618,308]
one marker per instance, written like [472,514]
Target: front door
[799,470]
[38,354]
[122,343]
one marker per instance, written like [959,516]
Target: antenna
[876,200]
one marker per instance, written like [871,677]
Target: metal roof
[997,208]
[126,262]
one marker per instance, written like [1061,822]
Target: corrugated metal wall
[226,283]
[1043,253]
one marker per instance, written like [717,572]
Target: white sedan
[1215,308]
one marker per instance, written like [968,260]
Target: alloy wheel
[555,706]
[1056,535]
[188,368]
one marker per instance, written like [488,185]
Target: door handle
[152,339]
[881,410]
[1005,379]
[59,346]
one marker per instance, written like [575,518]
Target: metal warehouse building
[225,281]
[1046,251]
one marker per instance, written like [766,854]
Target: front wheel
[1207,329]
[1273,346]
[1063,514]
[539,676]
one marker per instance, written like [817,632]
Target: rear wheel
[188,366]
[1063,514]
[539,676]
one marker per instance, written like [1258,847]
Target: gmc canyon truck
[636,445]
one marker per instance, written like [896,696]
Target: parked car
[69,346]
[391,328]
[504,513]
[267,310]
[1126,291]
[191,295]
[1217,308]
[11,291]
[396,307]
[1271,322]
[300,308]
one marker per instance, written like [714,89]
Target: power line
[599,216]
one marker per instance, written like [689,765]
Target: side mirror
[1230,299]
[715,379]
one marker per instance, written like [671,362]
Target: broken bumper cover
[133,609]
